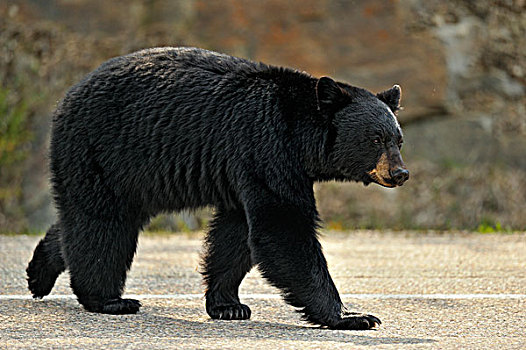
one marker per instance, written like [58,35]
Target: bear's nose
[399,176]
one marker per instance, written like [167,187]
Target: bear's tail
[46,265]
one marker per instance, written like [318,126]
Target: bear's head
[365,137]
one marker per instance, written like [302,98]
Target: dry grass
[435,197]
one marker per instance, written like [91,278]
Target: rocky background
[461,65]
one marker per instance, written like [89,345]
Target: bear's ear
[391,97]
[328,94]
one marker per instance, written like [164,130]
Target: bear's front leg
[284,243]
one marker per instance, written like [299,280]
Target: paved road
[435,291]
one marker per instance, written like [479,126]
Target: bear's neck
[310,136]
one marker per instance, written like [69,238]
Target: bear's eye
[377,140]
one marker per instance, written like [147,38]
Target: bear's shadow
[152,323]
[257,330]
[156,322]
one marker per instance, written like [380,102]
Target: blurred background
[461,65]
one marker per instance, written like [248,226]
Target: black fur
[391,97]
[173,128]
[46,265]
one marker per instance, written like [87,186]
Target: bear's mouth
[399,177]
[389,175]
[377,179]
[380,174]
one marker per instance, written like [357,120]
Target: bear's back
[169,125]
[180,58]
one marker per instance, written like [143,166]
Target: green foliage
[488,227]
[14,137]
[13,130]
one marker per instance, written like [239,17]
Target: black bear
[172,128]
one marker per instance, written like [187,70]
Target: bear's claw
[230,312]
[355,321]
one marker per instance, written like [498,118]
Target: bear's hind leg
[99,254]
[46,265]
[225,264]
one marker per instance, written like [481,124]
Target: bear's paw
[120,306]
[230,312]
[355,321]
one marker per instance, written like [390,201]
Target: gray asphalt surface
[394,276]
